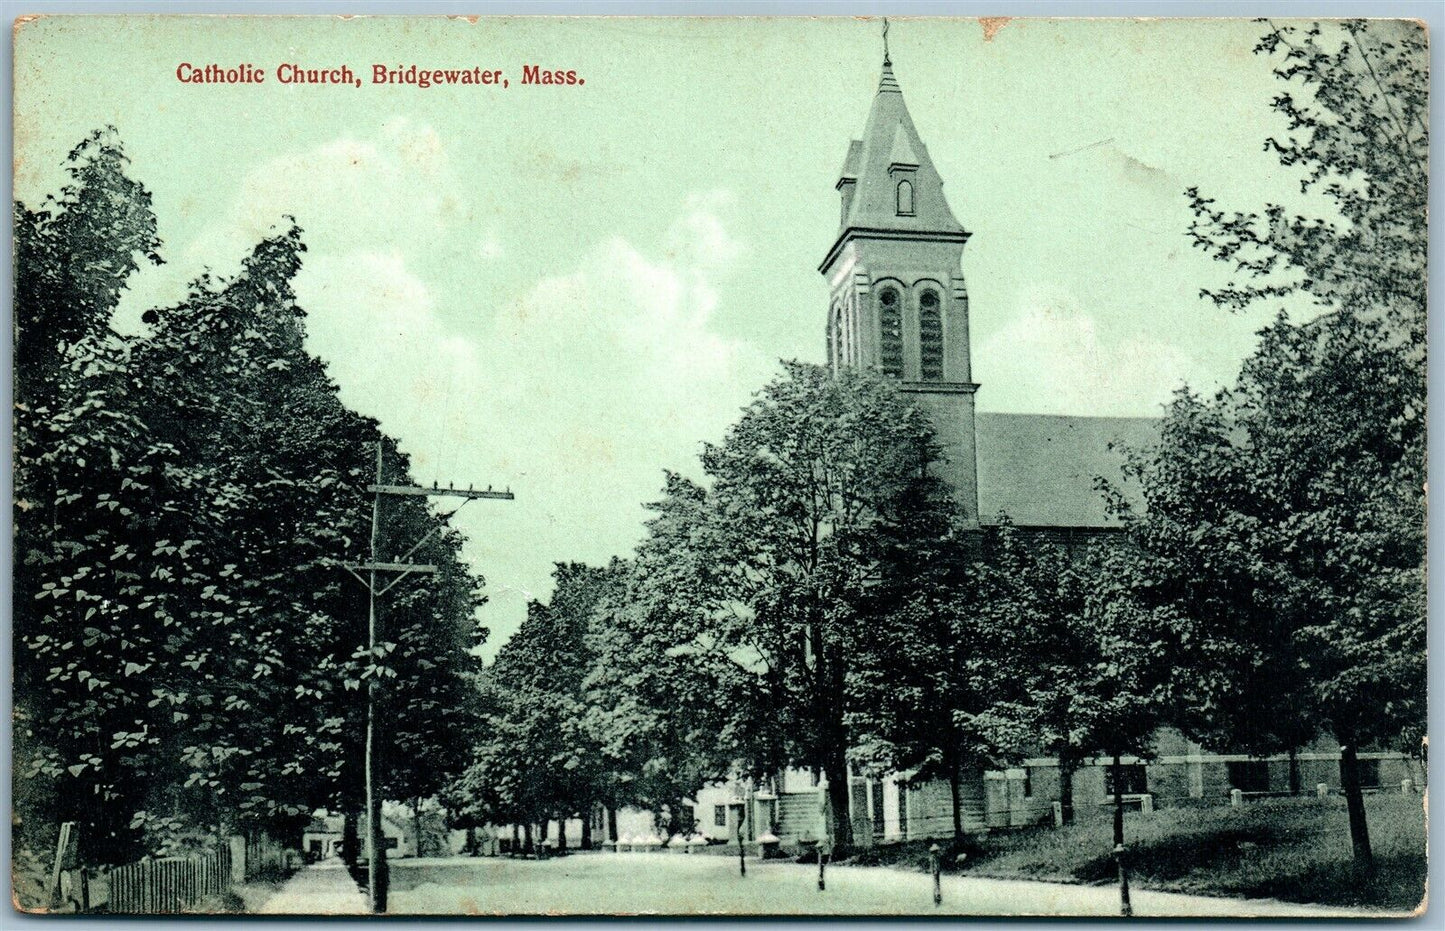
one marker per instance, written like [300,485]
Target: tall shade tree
[779,560]
[537,759]
[927,671]
[184,630]
[83,454]
[1325,426]
[657,715]
[1087,666]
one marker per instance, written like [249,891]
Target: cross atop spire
[887,83]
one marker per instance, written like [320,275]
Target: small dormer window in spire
[905,198]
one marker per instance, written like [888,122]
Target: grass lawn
[1296,850]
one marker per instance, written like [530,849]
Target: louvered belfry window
[930,336]
[890,343]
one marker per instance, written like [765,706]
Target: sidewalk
[319,889]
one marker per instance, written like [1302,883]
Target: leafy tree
[654,713]
[775,565]
[927,671]
[536,760]
[1325,425]
[82,447]
[184,632]
[1088,665]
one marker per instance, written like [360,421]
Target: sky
[567,290]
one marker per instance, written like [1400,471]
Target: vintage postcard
[719,466]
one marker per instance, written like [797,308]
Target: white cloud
[489,247]
[347,194]
[576,395]
[1052,357]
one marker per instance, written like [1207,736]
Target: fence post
[1321,790]
[1407,787]
[1236,798]
[1058,814]
[62,847]
[237,844]
[933,864]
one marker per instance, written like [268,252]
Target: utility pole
[377,869]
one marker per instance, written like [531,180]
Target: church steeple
[899,305]
[888,180]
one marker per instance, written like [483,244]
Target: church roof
[889,140]
[1039,469]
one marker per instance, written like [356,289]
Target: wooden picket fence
[170,884]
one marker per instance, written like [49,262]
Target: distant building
[322,838]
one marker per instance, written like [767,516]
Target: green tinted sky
[567,289]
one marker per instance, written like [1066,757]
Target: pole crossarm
[390,567]
[422,490]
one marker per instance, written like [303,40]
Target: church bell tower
[898,302]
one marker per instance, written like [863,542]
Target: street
[630,884]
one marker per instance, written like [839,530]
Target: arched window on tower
[890,324]
[905,198]
[930,336]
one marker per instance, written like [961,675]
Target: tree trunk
[527,839]
[350,839]
[956,790]
[674,818]
[416,822]
[561,835]
[516,839]
[587,826]
[1118,802]
[1066,787]
[1294,775]
[471,840]
[836,769]
[611,823]
[1355,803]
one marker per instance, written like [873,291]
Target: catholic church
[899,305]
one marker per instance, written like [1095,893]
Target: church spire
[888,181]
[898,304]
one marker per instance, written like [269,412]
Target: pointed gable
[902,155]
[890,152]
